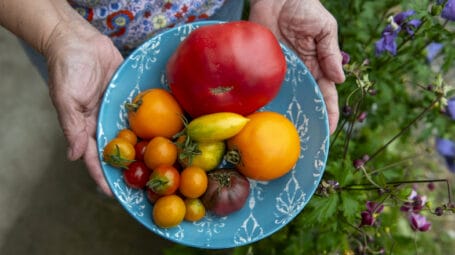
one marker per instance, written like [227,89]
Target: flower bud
[436,10]
[346,58]
[362,116]
[439,211]
[346,111]
[358,163]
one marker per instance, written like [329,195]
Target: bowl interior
[271,205]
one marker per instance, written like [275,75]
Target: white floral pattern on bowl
[271,205]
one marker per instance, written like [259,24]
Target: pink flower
[419,222]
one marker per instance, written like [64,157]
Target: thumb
[73,125]
[329,92]
[330,58]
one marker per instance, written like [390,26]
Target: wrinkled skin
[311,31]
[81,62]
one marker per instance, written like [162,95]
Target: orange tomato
[160,151]
[267,147]
[119,153]
[195,210]
[193,182]
[168,211]
[128,135]
[155,112]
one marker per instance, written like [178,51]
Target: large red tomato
[230,67]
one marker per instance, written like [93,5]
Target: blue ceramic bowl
[271,205]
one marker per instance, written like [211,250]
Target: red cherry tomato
[164,180]
[230,67]
[140,149]
[151,195]
[136,175]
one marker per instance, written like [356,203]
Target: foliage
[385,188]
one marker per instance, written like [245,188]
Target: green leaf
[349,205]
[324,207]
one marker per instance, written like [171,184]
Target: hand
[311,31]
[81,62]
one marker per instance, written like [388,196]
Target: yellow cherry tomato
[168,211]
[193,182]
[119,153]
[195,210]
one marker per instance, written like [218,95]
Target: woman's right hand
[81,62]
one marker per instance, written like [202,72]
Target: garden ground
[49,205]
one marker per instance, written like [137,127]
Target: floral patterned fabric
[131,22]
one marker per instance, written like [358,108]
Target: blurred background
[49,205]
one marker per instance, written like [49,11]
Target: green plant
[386,190]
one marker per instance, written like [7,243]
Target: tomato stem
[133,107]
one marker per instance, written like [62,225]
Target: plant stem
[351,124]
[337,133]
[369,178]
[394,164]
[372,186]
[402,131]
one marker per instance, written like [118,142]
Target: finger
[74,128]
[329,54]
[329,92]
[92,162]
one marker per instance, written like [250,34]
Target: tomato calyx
[223,178]
[157,183]
[117,159]
[133,107]
[188,149]
[233,156]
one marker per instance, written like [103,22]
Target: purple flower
[433,50]
[401,17]
[412,25]
[409,26]
[449,10]
[369,215]
[367,219]
[415,203]
[419,222]
[450,109]
[374,207]
[397,23]
[387,43]
[446,148]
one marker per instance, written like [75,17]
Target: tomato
[136,175]
[195,210]
[119,153]
[160,151]
[154,112]
[266,148]
[193,182]
[168,211]
[152,196]
[164,180]
[227,191]
[215,127]
[206,155]
[230,67]
[140,148]
[128,135]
